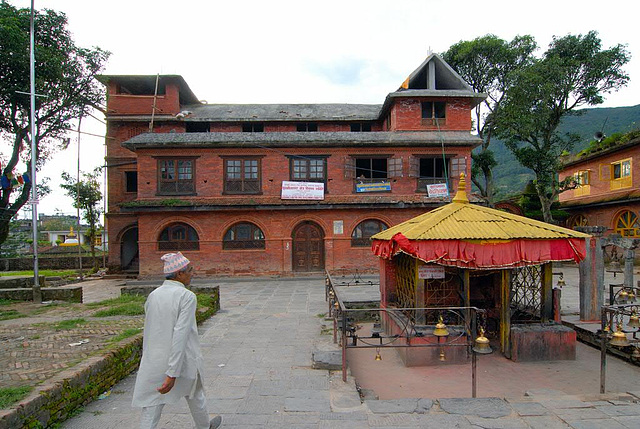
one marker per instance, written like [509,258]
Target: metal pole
[78,200]
[344,346]
[603,352]
[474,376]
[37,293]
[104,210]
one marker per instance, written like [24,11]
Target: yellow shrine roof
[460,220]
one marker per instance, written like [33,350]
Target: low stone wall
[58,398]
[20,282]
[63,293]
[537,342]
[45,263]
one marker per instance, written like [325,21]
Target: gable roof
[444,77]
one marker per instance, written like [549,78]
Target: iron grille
[526,293]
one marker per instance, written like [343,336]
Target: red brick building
[276,188]
[609,190]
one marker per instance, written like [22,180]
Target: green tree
[65,86]
[573,72]
[86,196]
[487,64]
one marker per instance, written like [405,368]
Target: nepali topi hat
[174,262]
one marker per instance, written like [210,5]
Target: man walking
[171,363]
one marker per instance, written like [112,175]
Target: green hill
[511,177]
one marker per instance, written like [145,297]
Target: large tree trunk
[546,205]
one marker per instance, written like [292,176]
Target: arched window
[578,220]
[626,224]
[243,235]
[178,236]
[361,235]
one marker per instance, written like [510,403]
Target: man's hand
[167,385]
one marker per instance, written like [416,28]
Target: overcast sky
[310,51]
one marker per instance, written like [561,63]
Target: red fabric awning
[483,254]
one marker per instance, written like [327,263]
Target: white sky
[330,51]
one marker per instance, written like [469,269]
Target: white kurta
[170,346]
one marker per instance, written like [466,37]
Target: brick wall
[406,115]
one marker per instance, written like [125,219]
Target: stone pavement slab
[258,358]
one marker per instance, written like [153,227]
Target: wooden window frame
[177,182]
[423,181]
[244,183]
[237,244]
[178,244]
[583,181]
[624,181]
[431,115]
[307,160]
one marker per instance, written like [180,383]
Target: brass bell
[441,329]
[623,296]
[634,321]
[619,338]
[442,357]
[336,305]
[636,353]
[561,283]
[482,344]
[631,297]
[378,357]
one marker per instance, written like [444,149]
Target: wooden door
[308,247]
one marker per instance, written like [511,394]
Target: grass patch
[11,395]
[69,324]
[204,300]
[125,334]
[131,309]
[46,273]
[122,299]
[6,302]
[11,314]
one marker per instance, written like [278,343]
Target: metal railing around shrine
[457,328]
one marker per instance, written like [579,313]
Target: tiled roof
[306,139]
[283,112]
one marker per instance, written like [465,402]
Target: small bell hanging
[619,338]
[441,329]
[378,357]
[482,344]
[634,321]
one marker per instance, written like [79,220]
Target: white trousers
[198,406]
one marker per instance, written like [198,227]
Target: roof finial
[461,195]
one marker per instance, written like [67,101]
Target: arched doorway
[129,250]
[308,247]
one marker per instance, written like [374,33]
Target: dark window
[178,236]
[243,236]
[176,176]
[432,171]
[361,235]
[252,127]
[432,168]
[364,127]
[307,126]
[371,168]
[197,127]
[308,169]
[434,109]
[131,181]
[242,176]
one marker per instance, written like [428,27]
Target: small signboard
[438,190]
[430,272]
[338,227]
[302,190]
[373,187]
